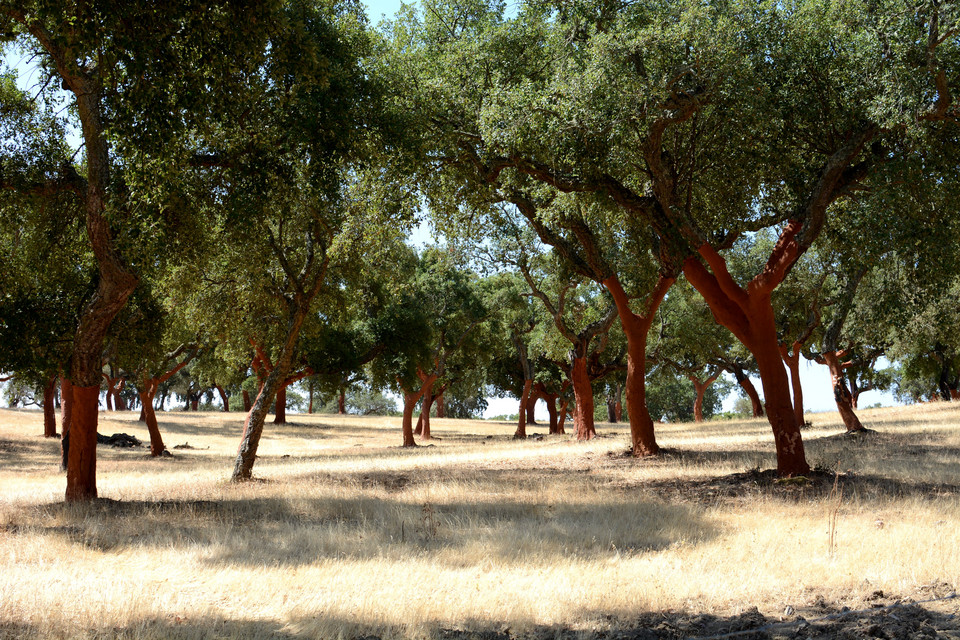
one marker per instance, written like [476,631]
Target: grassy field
[345,534]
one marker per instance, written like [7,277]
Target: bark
[611,409]
[441,406]
[409,404]
[563,416]
[793,364]
[310,390]
[701,388]
[66,418]
[246,401]
[521,432]
[109,398]
[223,397]
[49,408]
[841,394]
[583,397]
[426,392]
[82,453]
[531,409]
[551,401]
[748,313]
[618,405]
[635,328]
[149,390]
[342,401]
[280,408]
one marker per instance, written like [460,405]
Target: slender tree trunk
[342,401]
[66,417]
[246,401]
[223,397]
[551,401]
[611,408]
[751,392]
[840,392]
[636,328]
[423,427]
[441,406]
[583,397]
[49,408]
[563,416]
[109,396]
[409,405]
[310,391]
[149,390]
[793,364]
[618,406]
[280,410]
[521,432]
[701,390]
[531,409]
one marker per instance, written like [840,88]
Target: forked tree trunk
[793,364]
[583,397]
[409,405]
[841,394]
[66,417]
[635,328]
[521,432]
[280,409]
[49,408]
[748,313]
[701,390]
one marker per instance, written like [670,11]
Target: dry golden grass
[347,534]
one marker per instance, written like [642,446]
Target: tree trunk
[246,401]
[119,403]
[531,409]
[109,396]
[748,313]
[583,397]
[793,364]
[143,413]
[611,408]
[146,399]
[253,427]
[701,390]
[426,392]
[563,416]
[82,452]
[342,401]
[310,391]
[409,404]
[223,397]
[441,406]
[66,417]
[840,392]
[280,410]
[521,432]
[49,408]
[551,401]
[635,328]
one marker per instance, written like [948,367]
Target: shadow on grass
[882,621]
[273,531]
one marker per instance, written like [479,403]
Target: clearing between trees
[348,535]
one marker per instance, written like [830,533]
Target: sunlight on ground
[345,533]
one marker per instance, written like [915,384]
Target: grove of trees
[647,201]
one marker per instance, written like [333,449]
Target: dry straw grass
[346,534]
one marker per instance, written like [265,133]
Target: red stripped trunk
[636,328]
[66,417]
[748,313]
[49,408]
[583,396]
[280,409]
[551,401]
[521,432]
[246,401]
[531,409]
[149,390]
[561,421]
[82,453]
[701,390]
[793,364]
[409,405]
[223,397]
[841,394]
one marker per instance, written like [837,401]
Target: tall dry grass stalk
[346,534]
